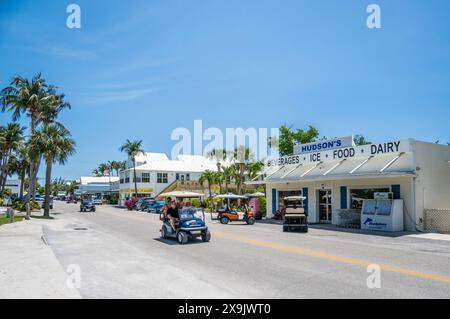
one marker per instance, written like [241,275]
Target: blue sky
[139,69]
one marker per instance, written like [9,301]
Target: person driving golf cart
[183,222]
[173,214]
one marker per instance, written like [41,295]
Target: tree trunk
[4,171]
[48,181]
[241,174]
[22,183]
[135,182]
[210,195]
[31,171]
[36,170]
[30,187]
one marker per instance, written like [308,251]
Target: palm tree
[19,165]
[236,176]
[227,173]
[133,149]
[242,156]
[219,178]
[11,139]
[41,103]
[115,166]
[209,177]
[219,155]
[56,146]
[254,168]
[102,168]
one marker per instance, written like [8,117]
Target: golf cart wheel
[250,221]
[285,228]
[163,232]
[182,238]
[206,236]
[305,229]
[93,210]
[224,220]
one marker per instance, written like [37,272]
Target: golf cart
[87,204]
[295,217]
[190,225]
[71,199]
[235,209]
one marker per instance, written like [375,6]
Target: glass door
[325,207]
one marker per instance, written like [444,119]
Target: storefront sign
[139,190]
[324,145]
[343,153]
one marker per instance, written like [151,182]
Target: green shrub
[22,206]
[196,203]
[263,206]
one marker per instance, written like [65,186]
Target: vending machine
[382,214]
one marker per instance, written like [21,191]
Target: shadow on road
[174,242]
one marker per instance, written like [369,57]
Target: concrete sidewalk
[28,267]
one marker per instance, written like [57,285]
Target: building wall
[13,185]
[335,186]
[153,184]
[432,184]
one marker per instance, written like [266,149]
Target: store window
[357,196]
[162,178]
[188,177]
[145,177]
[138,178]
[127,178]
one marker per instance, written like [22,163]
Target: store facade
[336,177]
[156,173]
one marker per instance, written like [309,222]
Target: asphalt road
[120,255]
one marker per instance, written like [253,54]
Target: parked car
[97,201]
[41,201]
[154,206]
[142,203]
[61,195]
[71,199]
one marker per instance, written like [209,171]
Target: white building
[155,172]
[336,176]
[98,186]
[13,185]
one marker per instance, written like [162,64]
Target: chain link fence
[437,220]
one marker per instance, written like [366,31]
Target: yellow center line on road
[334,258]
[316,254]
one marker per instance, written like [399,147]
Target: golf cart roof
[293,198]
[181,194]
[231,196]
[257,194]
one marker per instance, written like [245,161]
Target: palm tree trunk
[209,189]
[36,169]
[135,182]
[22,183]
[28,198]
[241,174]
[48,181]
